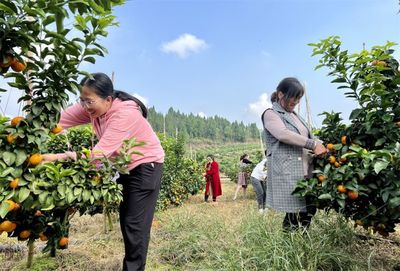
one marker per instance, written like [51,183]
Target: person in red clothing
[116,116]
[213,182]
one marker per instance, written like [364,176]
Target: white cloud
[202,114]
[185,45]
[260,105]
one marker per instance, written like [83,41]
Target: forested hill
[192,126]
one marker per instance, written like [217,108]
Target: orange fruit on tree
[18,66]
[337,164]
[359,222]
[35,159]
[57,129]
[332,159]
[11,138]
[24,234]
[343,139]
[7,226]
[42,237]
[16,206]
[6,61]
[321,178]
[341,188]
[63,241]
[352,194]
[38,213]
[16,120]
[330,146]
[14,183]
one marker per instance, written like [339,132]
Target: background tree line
[192,126]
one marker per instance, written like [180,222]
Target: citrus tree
[360,176]
[41,56]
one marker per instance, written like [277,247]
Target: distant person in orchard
[258,179]
[289,143]
[243,175]
[116,116]
[213,181]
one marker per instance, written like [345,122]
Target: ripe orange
[18,66]
[42,237]
[63,241]
[8,226]
[379,63]
[341,188]
[343,139]
[16,206]
[359,222]
[337,164]
[352,194]
[332,159]
[38,213]
[57,129]
[330,147]
[35,159]
[16,120]
[14,183]
[24,234]
[6,61]
[11,138]
[321,178]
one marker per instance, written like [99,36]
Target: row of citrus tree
[181,178]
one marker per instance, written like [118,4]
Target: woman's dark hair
[290,87]
[103,87]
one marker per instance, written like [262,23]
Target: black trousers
[140,192]
[293,221]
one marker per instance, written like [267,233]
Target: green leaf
[7,172]
[394,202]
[23,194]
[325,196]
[380,165]
[9,158]
[42,197]
[4,209]
[21,157]
[86,195]
[9,7]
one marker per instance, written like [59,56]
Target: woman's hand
[319,149]
[49,157]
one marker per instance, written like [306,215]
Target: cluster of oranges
[337,163]
[9,60]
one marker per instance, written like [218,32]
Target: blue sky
[221,57]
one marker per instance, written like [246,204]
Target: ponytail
[123,96]
[274,97]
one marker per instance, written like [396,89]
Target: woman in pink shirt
[116,116]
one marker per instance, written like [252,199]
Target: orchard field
[62,215]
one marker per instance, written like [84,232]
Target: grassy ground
[229,235]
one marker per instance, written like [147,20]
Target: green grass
[230,235]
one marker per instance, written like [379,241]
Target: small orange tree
[41,56]
[360,177]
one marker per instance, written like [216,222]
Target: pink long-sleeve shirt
[122,121]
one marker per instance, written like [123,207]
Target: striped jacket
[285,167]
